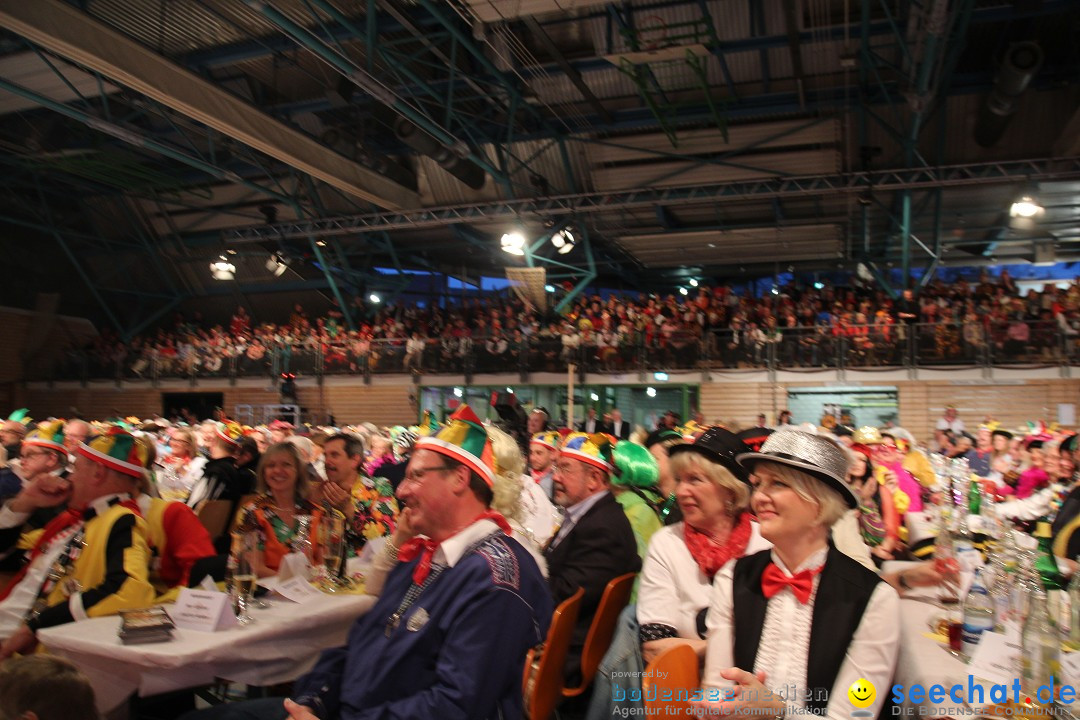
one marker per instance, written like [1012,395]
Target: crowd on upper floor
[791,324]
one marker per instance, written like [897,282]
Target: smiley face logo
[861,693]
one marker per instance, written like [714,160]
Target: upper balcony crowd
[987,321]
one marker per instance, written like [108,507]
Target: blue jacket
[464,661]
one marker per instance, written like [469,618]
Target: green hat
[634,466]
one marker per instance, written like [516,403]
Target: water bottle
[1001,592]
[1040,657]
[978,614]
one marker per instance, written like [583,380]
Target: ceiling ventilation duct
[1019,66]
[349,147]
[463,169]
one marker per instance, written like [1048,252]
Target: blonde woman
[182,467]
[713,495]
[803,614]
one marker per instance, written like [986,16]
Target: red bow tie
[773,580]
[425,547]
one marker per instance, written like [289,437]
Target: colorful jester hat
[592,448]
[546,438]
[49,436]
[117,450]
[428,425]
[17,421]
[230,431]
[466,440]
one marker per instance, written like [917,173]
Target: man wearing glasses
[43,463]
[450,631]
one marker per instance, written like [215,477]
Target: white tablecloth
[925,661]
[282,644]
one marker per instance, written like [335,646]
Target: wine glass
[244,580]
[332,548]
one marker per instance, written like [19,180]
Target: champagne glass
[332,548]
[244,580]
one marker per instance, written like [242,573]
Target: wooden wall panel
[381,405]
[378,404]
[733,404]
[726,400]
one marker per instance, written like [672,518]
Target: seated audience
[448,635]
[595,543]
[274,515]
[92,559]
[803,614]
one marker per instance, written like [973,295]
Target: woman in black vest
[794,627]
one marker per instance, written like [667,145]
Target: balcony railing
[938,345]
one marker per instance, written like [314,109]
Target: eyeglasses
[28,455]
[418,474]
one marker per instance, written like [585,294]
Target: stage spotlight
[222,269]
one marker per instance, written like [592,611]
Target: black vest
[843,593]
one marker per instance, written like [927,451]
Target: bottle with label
[1040,657]
[1045,564]
[978,614]
[974,497]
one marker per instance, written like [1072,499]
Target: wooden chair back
[543,677]
[616,596]
[669,680]
[214,516]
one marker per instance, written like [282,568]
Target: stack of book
[148,625]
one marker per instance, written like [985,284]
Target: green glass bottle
[1045,565]
[974,497]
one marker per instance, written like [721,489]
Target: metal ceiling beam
[575,77]
[66,31]
[923,178]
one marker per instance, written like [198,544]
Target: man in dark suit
[618,428]
[595,543]
[591,423]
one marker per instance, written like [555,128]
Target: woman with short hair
[802,615]
[713,493]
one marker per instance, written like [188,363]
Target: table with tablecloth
[281,644]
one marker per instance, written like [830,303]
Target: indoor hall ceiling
[654,128]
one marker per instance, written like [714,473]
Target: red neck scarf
[425,547]
[773,580]
[709,556]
